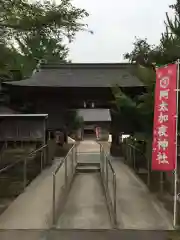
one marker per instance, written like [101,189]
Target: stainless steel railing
[108,176]
[136,159]
[68,166]
[2,150]
[31,155]
[25,160]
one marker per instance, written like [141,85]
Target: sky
[115,24]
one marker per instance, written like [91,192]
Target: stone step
[87,169]
[85,164]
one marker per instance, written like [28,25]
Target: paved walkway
[89,146]
[136,207]
[33,208]
[86,205]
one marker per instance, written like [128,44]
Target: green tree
[146,56]
[34,31]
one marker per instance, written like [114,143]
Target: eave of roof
[95,115]
[82,75]
[23,115]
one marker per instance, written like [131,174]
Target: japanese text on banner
[164,148]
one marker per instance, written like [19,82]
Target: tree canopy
[35,31]
[31,31]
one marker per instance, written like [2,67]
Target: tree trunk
[116,148]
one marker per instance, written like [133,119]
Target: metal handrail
[2,150]
[133,157]
[64,161]
[24,160]
[37,150]
[135,149]
[34,152]
[105,162]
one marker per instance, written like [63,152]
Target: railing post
[111,199]
[148,174]
[25,173]
[44,156]
[100,151]
[107,178]
[126,146]
[66,180]
[72,162]
[1,156]
[41,155]
[129,155]
[114,190]
[134,158]
[101,161]
[161,182]
[103,164]
[66,174]
[76,155]
[54,200]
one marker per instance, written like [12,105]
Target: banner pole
[175,171]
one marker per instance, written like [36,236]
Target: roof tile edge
[86,65]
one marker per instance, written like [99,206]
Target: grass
[173,235]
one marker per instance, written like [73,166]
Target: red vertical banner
[164,131]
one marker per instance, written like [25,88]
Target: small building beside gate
[23,128]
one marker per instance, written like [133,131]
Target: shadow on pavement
[88,235]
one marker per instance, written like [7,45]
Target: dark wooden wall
[55,101]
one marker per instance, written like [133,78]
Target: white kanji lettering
[162,144]
[162,131]
[163,106]
[164,94]
[159,75]
[164,82]
[162,118]
[162,158]
[170,72]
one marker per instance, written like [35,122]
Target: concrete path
[33,208]
[137,208]
[86,206]
[88,146]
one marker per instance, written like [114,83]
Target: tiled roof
[82,75]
